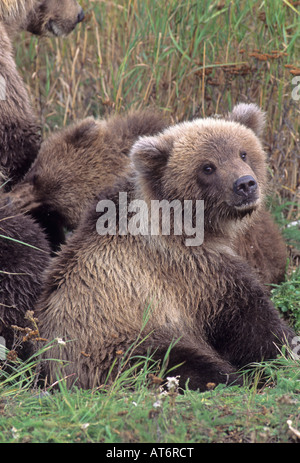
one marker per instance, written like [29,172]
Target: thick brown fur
[76,163]
[263,247]
[105,293]
[21,266]
[20,134]
[21,269]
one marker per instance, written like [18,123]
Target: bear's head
[220,161]
[53,17]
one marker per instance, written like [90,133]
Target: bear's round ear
[249,115]
[149,155]
[81,133]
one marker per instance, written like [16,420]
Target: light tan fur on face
[189,147]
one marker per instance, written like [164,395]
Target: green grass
[286,298]
[144,415]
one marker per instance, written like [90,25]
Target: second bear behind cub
[74,164]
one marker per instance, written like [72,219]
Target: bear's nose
[80,16]
[245,186]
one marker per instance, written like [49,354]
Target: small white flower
[15,433]
[60,341]
[157,404]
[85,426]
[172,382]
[293,224]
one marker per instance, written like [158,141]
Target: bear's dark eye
[208,169]
[243,155]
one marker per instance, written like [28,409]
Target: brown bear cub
[121,281]
[60,185]
[20,134]
[24,255]
[74,164]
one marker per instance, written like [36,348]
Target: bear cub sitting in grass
[105,293]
